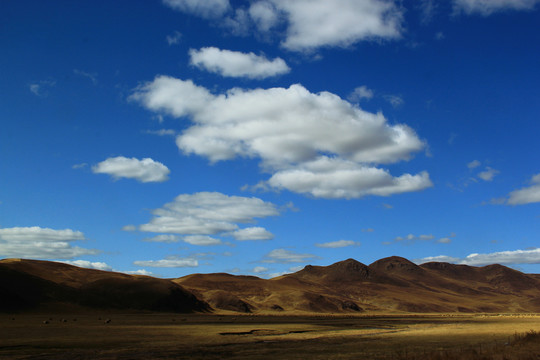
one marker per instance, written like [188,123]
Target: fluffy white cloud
[293,132]
[309,24]
[514,257]
[41,243]
[170,262]
[526,195]
[488,174]
[145,170]
[97,265]
[206,9]
[332,178]
[237,64]
[264,14]
[487,7]
[283,256]
[252,233]
[317,23]
[210,213]
[337,244]
[202,240]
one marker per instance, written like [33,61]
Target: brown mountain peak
[394,264]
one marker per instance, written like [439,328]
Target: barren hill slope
[27,284]
[387,285]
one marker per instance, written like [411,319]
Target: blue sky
[255,137]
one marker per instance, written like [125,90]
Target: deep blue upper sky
[255,137]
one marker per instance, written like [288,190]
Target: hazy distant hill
[387,285]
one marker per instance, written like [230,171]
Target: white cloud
[394,100]
[79,166]
[91,76]
[439,258]
[487,7]
[145,170]
[41,88]
[331,178]
[170,262]
[174,38]
[283,256]
[361,93]
[526,195]
[201,240]
[90,265]
[411,238]
[162,132]
[488,174]
[139,272]
[164,238]
[264,14]
[252,233]
[259,269]
[208,213]
[317,23]
[337,244]
[428,8]
[237,64]
[309,24]
[207,9]
[474,164]
[514,257]
[41,243]
[291,130]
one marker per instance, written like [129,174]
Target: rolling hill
[391,284]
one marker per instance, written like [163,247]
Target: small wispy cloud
[411,238]
[360,93]
[488,174]
[174,38]
[337,244]
[91,76]
[394,100]
[41,88]
[284,256]
[161,132]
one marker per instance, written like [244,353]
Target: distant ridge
[31,284]
[392,284]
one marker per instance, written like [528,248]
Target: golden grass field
[205,336]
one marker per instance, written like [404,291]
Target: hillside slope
[29,284]
[391,284]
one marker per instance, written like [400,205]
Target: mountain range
[392,284]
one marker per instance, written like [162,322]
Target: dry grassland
[173,336]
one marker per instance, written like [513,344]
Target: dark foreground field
[173,336]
